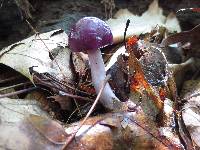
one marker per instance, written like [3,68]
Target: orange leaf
[138,79]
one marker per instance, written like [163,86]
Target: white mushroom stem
[98,75]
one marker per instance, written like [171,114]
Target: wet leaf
[154,65]
[188,17]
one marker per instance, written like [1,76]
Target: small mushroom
[88,35]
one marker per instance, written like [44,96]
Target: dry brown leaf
[52,130]
[119,77]
[64,101]
[81,62]
[39,96]
[125,130]
[90,136]
[23,136]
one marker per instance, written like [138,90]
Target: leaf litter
[147,79]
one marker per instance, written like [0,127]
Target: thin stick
[18,92]
[75,112]
[78,97]
[88,114]
[73,96]
[126,28]
[14,86]
[63,90]
[147,131]
[55,80]
[10,79]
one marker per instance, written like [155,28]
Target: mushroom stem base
[108,98]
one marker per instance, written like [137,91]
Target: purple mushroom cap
[89,34]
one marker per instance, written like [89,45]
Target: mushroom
[88,35]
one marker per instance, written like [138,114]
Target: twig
[18,92]
[77,97]
[10,79]
[47,84]
[147,131]
[57,82]
[88,114]
[126,28]
[77,106]
[14,86]
[75,112]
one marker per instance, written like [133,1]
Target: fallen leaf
[112,122]
[81,63]
[52,130]
[35,52]
[141,24]
[22,135]
[64,101]
[142,80]
[12,137]
[119,77]
[125,130]
[188,17]
[15,110]
[190,110]
[39,96]
[90,136]
[189,40]
[179,70]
